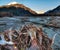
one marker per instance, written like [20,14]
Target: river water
[17,22]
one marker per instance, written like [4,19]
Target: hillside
[16,10]
[55,11]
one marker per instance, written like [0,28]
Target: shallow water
[17,22]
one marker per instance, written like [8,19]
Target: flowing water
[17,22]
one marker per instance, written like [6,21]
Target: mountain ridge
[19,8]
[55,11]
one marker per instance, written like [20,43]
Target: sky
[40,6]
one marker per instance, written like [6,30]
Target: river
[17,22]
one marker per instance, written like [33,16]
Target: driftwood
[30,36]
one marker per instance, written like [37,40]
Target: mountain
[12,3]
[16,9]
[55,11]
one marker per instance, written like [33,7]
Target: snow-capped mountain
[12,3]
[16,9]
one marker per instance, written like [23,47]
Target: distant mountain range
[16,10]
[54,12]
